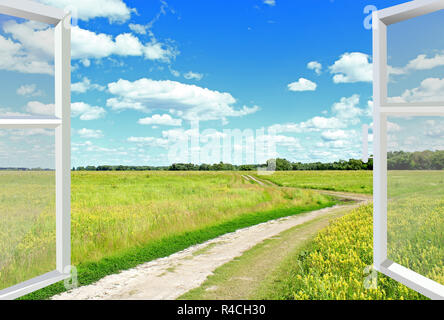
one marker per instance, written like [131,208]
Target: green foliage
[281,165]
[425,160]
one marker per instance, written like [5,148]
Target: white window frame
[382,109]
[61,122]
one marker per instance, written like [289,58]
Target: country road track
[170,277]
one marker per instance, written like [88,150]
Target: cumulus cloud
[29,90]
[193,76]
[430,90]
[85,85]
[352,67]
[271,3]
[38,108]
[90,133]
[315,66]
[88,44]
[347,109]
[345,112]
[15,57]
[422,62]
[333,135]
[163,120]
[302,85]
[86,112]
[113,10]
[189,102]
[138,28]
[30,48]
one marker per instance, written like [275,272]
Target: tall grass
[415,221]
[348,181]
[118,216]
[333,266]
[27,225]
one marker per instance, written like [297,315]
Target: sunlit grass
[117,212]
[347,181]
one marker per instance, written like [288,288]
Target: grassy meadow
[27,225]
[415,221]
[347,181]
[122,219]
[118,215]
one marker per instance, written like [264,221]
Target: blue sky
[142,70]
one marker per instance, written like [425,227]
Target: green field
[348,181]
[122,219]
[116,215]
[415,221]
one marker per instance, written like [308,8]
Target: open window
[35,174]
[408,140]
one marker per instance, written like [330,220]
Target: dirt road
[170,277]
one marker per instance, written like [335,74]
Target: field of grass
[121,219]
[27,225]
[415,221]
[333,266]
[347,181]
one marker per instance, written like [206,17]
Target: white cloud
[7,112]
[430,90]
[90,133]
[393,127]
[316,66]
[193,76]
[422,62]
[189,102]
[88,44]
[347,109]
[271,3]
[302,85]
[163,120]
[85,85]
[14,57]
[38,108]
[34,50]
[86,112]
[332,135]
[113,10]
[29,90]
[345,112]
[138,28]
[352,67]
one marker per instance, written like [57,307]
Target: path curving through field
[170,277]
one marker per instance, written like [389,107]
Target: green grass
[27,225]
[332,267]
[415,221]
[89,272]
[241,278]
[121,219]
[347,181]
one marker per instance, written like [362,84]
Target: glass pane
[27,205]
[26,68]
[416,60]
[415,209]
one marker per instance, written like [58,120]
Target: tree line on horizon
[281,165]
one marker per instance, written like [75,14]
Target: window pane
[416,60]
[27,205]
[26,68]
[415,213]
